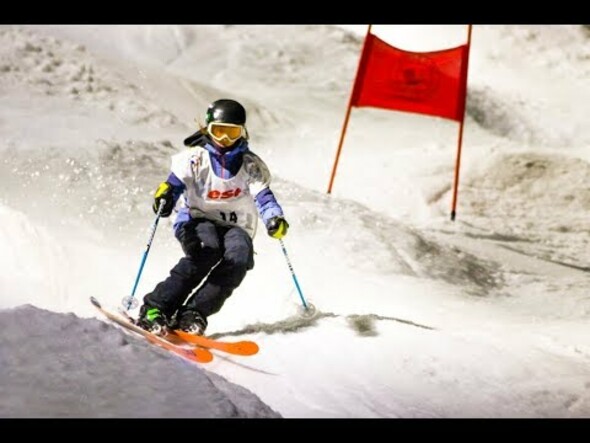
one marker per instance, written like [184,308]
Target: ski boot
[152,320]
[192,322]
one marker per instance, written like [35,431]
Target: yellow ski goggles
[225,131]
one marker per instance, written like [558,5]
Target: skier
[218,188]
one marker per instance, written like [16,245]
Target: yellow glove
[277,227]
[164,191]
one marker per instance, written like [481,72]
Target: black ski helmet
[226,111]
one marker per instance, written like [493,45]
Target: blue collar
[226,162]
[240,148]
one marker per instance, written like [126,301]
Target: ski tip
[203,355]
[249,348]
[95,302]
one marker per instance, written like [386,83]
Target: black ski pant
[225,253]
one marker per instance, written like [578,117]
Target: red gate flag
[433,83]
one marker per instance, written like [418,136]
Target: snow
[418,316]
[93,370]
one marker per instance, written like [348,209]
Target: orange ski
[199,355]
[237,347]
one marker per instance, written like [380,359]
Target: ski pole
[305,305]
[130,301]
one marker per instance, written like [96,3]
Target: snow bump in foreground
[59,365]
